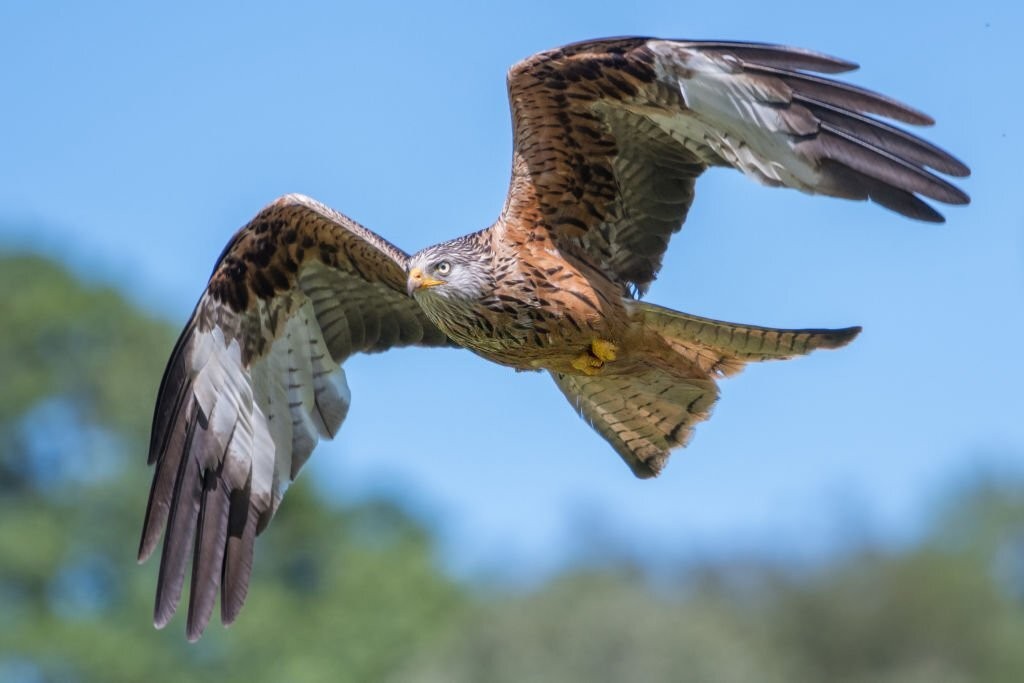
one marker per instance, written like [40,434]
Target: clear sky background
[136,140]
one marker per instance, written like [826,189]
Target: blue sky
[136,140]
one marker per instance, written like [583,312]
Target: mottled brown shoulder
[609,63]
[608,185]
[264,257]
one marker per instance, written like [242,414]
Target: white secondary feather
[266,418]
[297,393]
[236,403]
[199,356]
[215,387]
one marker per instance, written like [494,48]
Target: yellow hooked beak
[418,281]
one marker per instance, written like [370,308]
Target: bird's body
[537,308]
[609,139]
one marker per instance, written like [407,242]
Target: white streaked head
[459,269]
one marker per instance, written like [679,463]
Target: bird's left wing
[610,135]
[253,382]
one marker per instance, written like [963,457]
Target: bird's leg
[593,359]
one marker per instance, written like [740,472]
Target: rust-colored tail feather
[723,348]
[652,411]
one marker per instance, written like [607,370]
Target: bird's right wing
[610,136]
[255,380]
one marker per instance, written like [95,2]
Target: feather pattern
[643,416]
[254,381]
[609,139]
[650,410]
[610,135]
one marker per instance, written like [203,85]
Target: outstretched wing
[254,381]
[610,135]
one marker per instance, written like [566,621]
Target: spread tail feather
[723,348]
[648,412]
[644,415]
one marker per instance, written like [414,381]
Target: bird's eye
[443,268]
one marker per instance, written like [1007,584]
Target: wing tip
[163,612]
[193,632]
[789,56]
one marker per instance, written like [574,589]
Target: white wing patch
[301,394]
[737,118]
[267,418]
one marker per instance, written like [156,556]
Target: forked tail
[647,414]
[723,348]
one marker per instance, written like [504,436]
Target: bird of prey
[609,139]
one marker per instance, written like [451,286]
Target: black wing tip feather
[884,163]
[851,183]
[889,179]
[181,528]
[238,555]
[865,128]
[844,94]
[902,159]
[221,528]
[204,526]
[779,56]
[151,530]
[784,56]
[887,167]
[174,375]
[161,489]
[208,558]
[190,507]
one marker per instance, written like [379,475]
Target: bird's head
[460,269]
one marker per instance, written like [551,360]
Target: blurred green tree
[948,610]
[355,594]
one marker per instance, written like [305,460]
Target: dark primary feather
[254,381]
[841,94]
[880,161]
[882,135]
[238,555]
[208,562]
[180,506]
[778,56]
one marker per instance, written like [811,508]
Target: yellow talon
[593,359]
[587,363]
[604,350]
